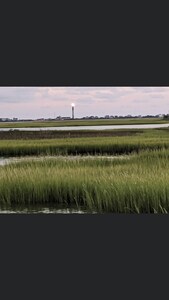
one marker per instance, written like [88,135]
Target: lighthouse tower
[73,110]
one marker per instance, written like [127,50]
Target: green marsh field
[94,122]
[112,171]
[112,142]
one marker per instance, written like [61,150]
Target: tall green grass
[137,184]
[86,145]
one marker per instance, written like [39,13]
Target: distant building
[4,119]
[66,118]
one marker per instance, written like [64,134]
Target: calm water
[141,126]
[8,160]
[43,209]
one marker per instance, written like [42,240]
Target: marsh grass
[135,182]
[138,184]
[112,145]
[16,134]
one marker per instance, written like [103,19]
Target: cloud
[16,94]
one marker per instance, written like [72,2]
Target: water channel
[101,127]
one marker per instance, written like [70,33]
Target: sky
[50,102]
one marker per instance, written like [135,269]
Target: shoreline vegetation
[74,122]
[137,181]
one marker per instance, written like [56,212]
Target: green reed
[113,145]
[138,183]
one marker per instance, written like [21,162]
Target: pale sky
[50,102]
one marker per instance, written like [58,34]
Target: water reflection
[43,209]
[7,160]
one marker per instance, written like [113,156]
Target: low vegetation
[95,122]
[57,134]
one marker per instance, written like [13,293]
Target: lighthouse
[73,110]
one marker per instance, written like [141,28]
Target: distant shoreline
[77,123]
